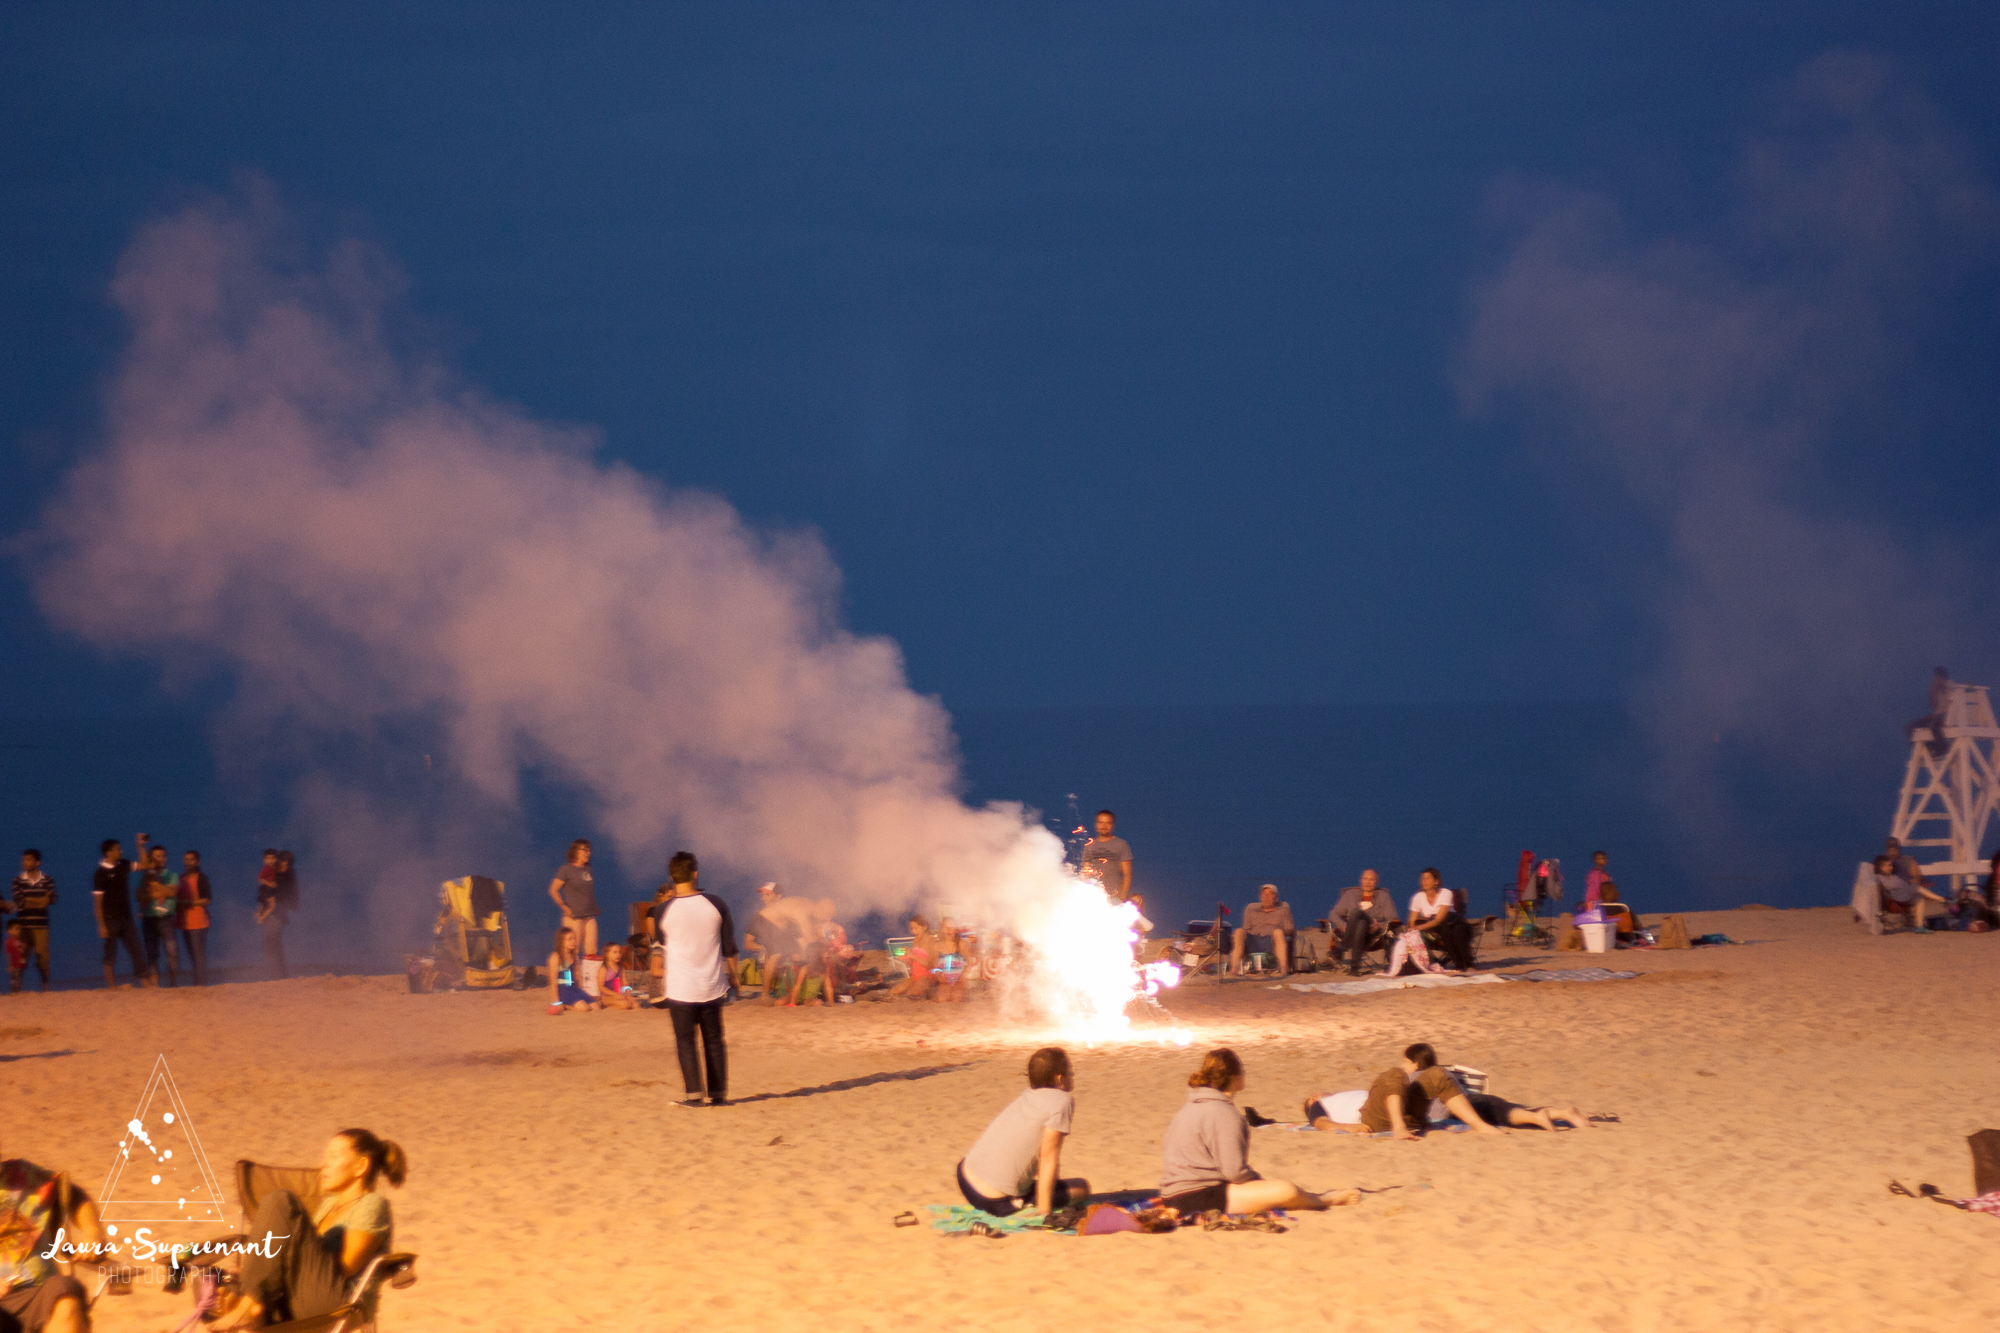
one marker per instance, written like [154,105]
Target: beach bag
[1985,1160]
[1673,934]
[589,970]
[1107,1219]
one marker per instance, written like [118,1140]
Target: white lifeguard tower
[1951,787]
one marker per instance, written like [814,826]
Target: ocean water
[1215,802]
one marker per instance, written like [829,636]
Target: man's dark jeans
[1364,935]
[197,952]
[122,931]
[274,946]
[705,1017]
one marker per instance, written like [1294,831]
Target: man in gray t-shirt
[1267,926]
[1108,858]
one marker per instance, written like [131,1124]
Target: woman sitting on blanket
[1399,1101]
[1341,1112]
[1016,1164]
[1205,1160]
[311,1272]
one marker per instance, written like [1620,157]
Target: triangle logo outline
[138,1202]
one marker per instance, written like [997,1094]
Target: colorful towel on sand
[1570,974]
[960,1217]
[1375,984]
[1985,1203]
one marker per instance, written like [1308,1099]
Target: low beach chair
[255,1181]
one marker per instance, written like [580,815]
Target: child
[17,959]
[564,993]
[611,992]
[917,986]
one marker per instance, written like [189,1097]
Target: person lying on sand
[1016,1166]
[1204,1162]
[312,1273]
[1399,1100]
[1340,1113]
[564,993]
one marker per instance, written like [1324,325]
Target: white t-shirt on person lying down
[1344,1108]
[1008,1152]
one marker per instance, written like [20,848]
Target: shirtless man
[795,937]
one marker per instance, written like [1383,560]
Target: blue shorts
[1260,944]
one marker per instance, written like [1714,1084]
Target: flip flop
[904,1220]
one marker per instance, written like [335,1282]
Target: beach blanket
[960,1217]
[1570,974]
[1375,984]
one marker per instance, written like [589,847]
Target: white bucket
[1599,937]
[588,969]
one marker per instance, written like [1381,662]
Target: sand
[1767,1095]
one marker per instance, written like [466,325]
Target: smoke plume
[378,558]
[1706,386]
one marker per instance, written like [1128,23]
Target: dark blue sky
[1111,348]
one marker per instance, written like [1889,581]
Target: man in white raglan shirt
[698,942]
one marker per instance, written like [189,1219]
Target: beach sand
[1766,1095]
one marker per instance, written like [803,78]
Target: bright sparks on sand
[1085,974]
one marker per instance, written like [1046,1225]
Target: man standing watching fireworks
[1108,858]
[698,944]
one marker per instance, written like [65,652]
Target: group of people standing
[158,914]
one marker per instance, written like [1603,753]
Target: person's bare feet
[1340,1198]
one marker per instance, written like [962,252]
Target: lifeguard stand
[1951,787]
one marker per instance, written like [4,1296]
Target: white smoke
[1704,386]
[374,555]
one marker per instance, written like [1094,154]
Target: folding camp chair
[254,1182]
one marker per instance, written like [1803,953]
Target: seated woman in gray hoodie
[1205,1159]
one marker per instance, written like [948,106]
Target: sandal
[904,1220]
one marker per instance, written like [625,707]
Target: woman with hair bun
[311,1272]
[1205,1163]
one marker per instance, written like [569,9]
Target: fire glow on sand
[1086,975]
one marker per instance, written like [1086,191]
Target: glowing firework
[1085,974]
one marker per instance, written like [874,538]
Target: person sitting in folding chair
[35,1295]
[312,1271]
[1266,929]
[1362,921]
[1435,914]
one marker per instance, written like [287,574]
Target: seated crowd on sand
[1904,893]
[1015,1166]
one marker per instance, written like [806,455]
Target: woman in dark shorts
[1205,1160]
[1017,1163]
